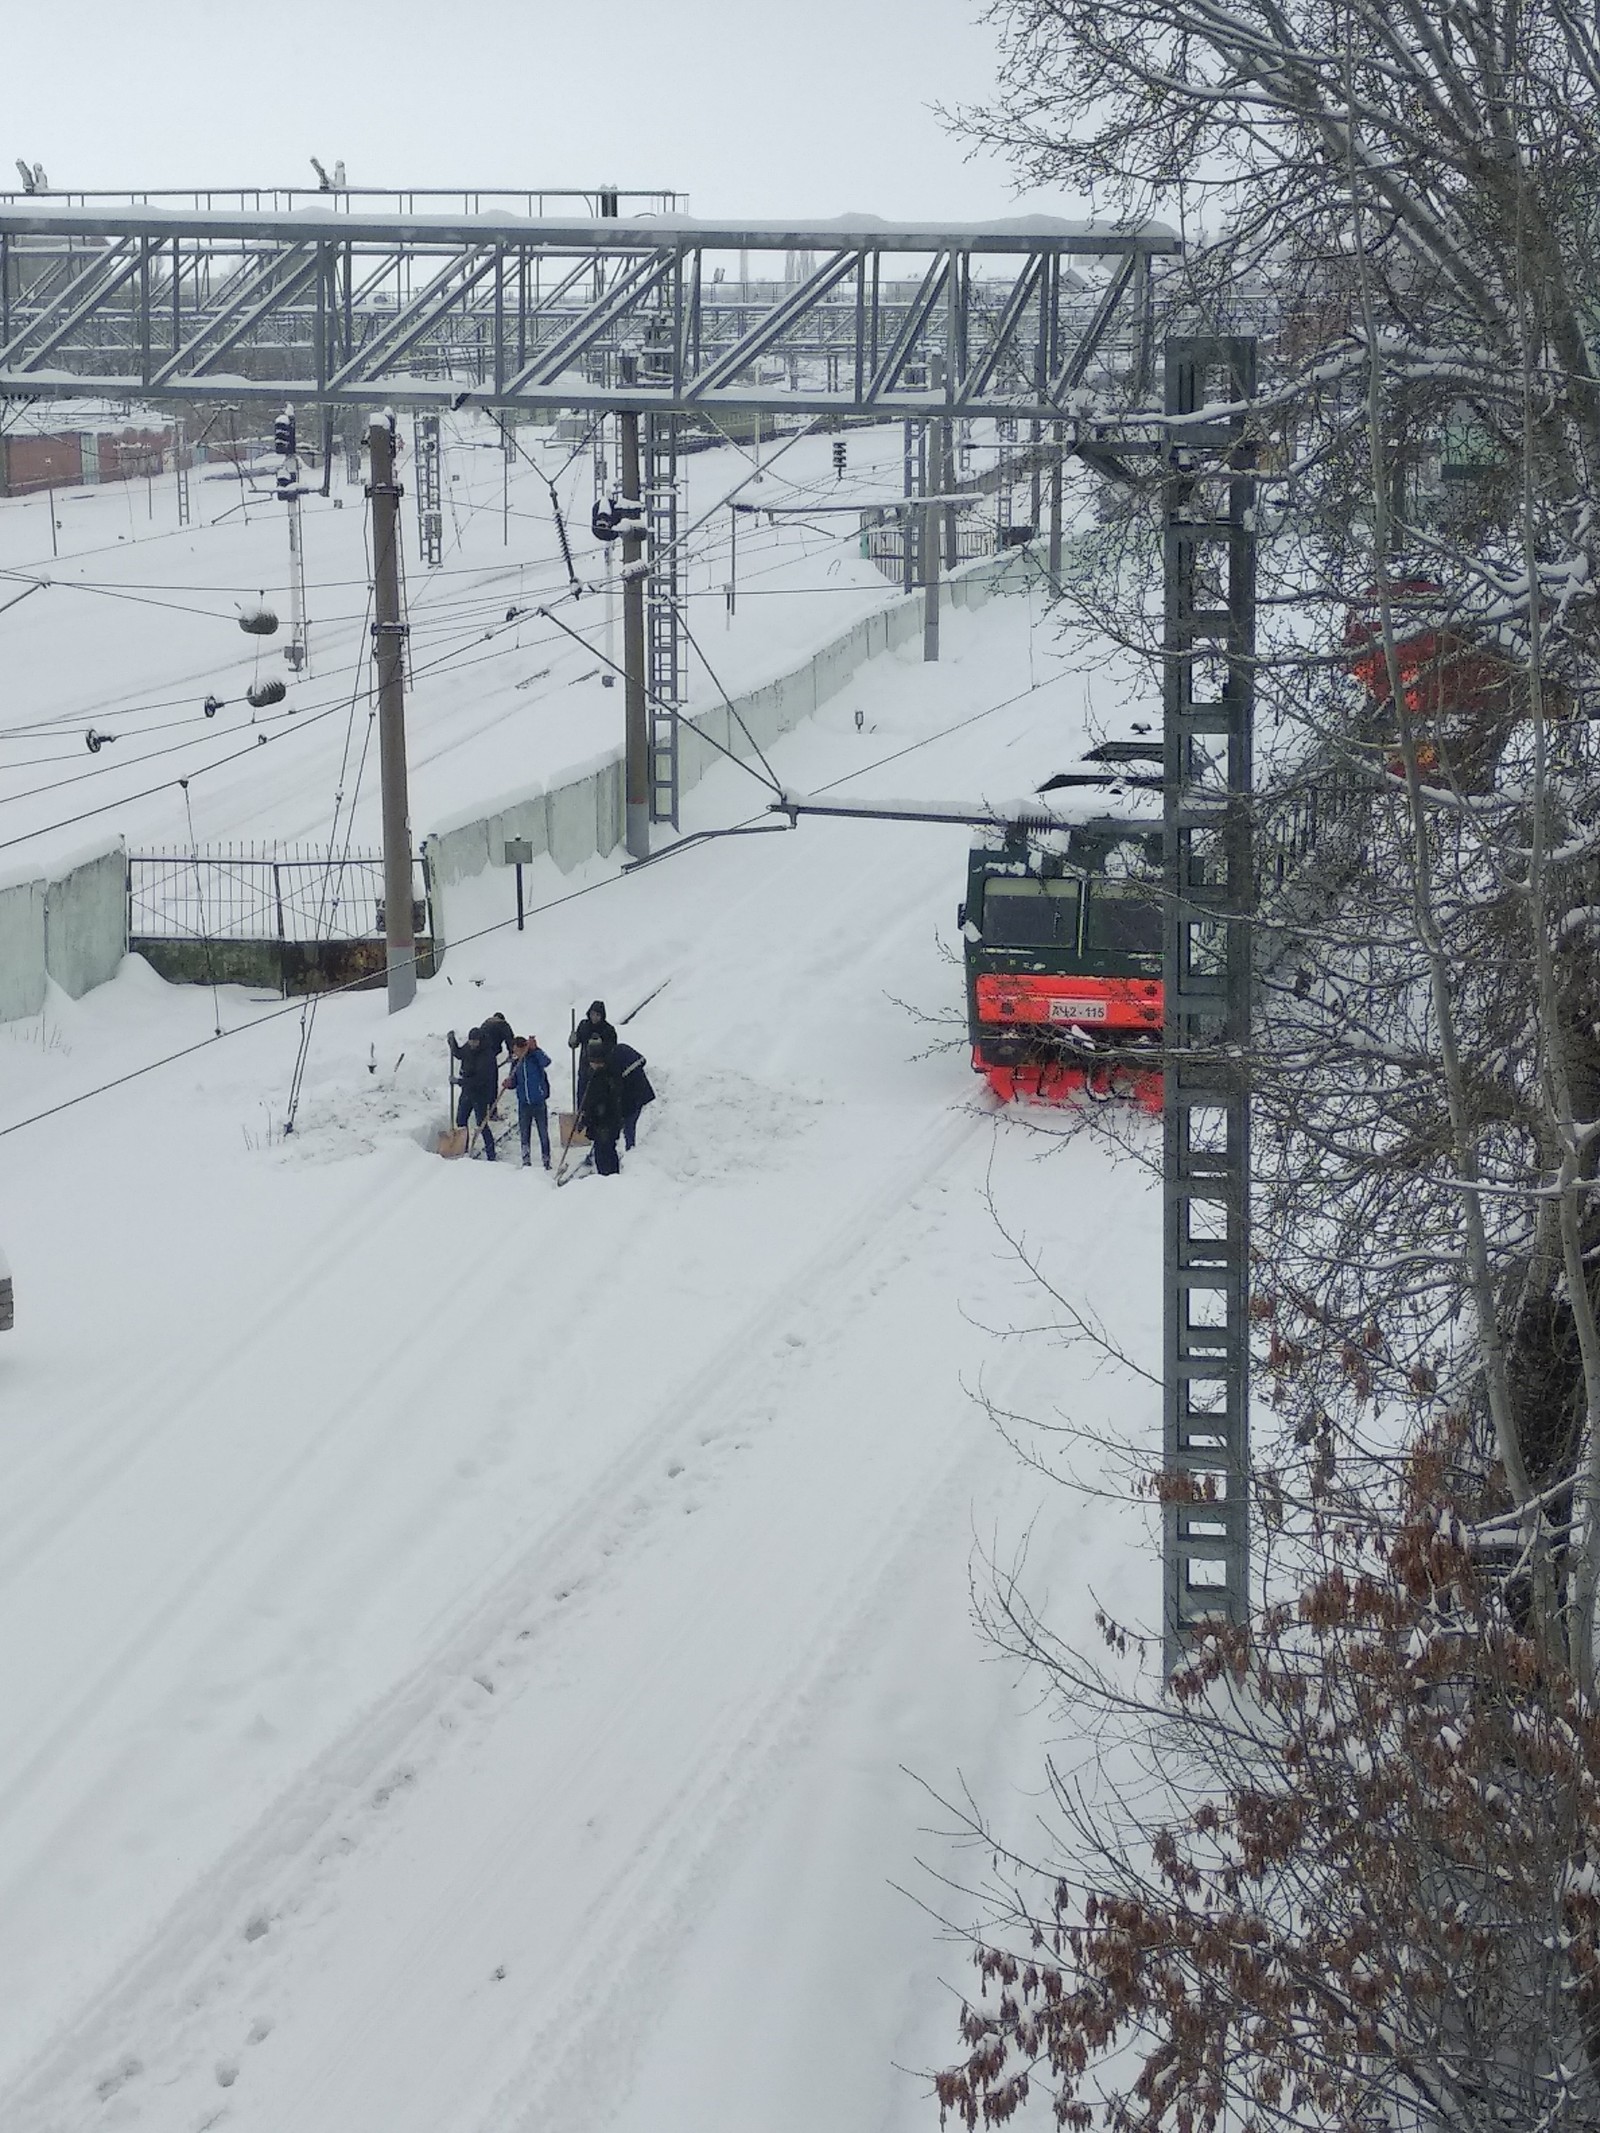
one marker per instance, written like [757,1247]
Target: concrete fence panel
[573,834]
[611,808]
[458,854]
[70,926]
[21,950]
[86,922]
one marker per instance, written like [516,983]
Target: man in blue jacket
[530,1077]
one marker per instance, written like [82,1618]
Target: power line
[652,697]
[500,926]
[300,718]
[44,728]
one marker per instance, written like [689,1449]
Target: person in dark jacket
[594,1025]
[497,1038]
[530,1078]
[600,1109]
[634,1085]
[477,1081]
[496,1035]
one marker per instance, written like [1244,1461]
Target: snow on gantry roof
[1016,233]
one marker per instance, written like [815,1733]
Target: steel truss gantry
[1209,646]
[339,305]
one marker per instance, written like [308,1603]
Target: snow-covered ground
[478,1657]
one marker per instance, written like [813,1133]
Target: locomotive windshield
[1124,919]
[1028,913]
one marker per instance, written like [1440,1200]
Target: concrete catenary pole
[636,715]
[388,636]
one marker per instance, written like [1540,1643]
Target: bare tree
[1362,1888]
[1364,1893]
[1403,201]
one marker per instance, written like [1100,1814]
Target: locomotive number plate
[1077,1010]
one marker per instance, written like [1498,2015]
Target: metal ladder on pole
[180,467]
[1209,644]
[425,464]
[663,624]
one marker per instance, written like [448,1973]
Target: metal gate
[301,917]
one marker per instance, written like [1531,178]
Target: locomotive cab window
[1028,913]
[1124,919]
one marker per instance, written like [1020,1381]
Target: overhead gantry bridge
[337,304]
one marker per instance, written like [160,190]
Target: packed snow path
[474,1654]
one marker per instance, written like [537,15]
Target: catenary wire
[484,932]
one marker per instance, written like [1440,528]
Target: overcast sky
[752,107]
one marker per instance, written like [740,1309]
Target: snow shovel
[453,1140]
[572,1136]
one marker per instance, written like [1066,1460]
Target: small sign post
[519,853]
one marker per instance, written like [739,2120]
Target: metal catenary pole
[180,468]
[1053,556]
[1209,644]
[927,521]
[664,618]
[388,636]
[636,716]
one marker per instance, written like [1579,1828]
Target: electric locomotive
[1062,930]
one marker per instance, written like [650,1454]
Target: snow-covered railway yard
[478,1657]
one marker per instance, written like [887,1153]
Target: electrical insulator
[262,693]
[283,433]
[620,520]
[838,456]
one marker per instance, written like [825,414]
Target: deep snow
[475,1656]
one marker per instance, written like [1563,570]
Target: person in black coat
[600,1109]
[478,1083]
[634,1084]
[496,1037]
[593,1026]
